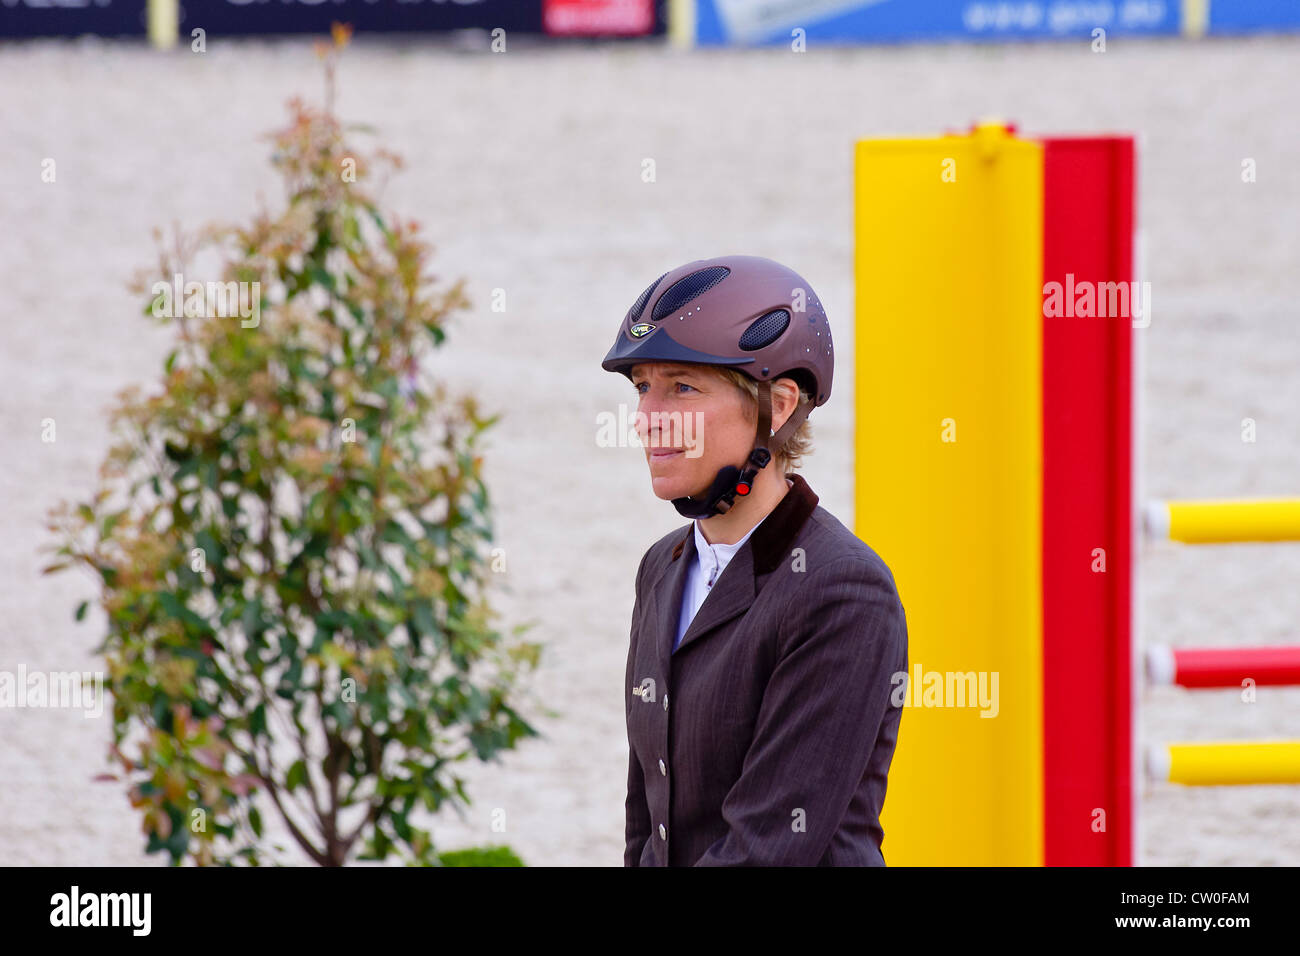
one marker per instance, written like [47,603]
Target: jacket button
[663,834]
[665,701]
[662,769]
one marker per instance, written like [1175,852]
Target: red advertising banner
[598,17]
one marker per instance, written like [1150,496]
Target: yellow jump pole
[681,23]
[1219,521]
[164,19]
[1216,763]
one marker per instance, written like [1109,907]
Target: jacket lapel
[732,594]
[667,591]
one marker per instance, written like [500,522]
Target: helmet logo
[641,330]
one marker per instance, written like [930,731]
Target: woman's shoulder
[842,570]
[828,543]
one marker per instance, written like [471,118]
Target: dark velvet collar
[771,539]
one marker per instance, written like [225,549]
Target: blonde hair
[797,445]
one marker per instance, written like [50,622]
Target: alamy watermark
[624,429]
[200,299]
[946,689]
[53,689]
[132,911]
[1099,300]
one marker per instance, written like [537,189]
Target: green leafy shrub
[291,537]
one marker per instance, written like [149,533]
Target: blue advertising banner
[760,22]
[41,18]
[226,17]
[601,18]
[875,21]
[1254,16]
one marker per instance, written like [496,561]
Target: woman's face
[692,422]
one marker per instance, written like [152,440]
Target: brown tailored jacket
[766,737]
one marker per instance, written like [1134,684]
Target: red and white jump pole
[1223,666]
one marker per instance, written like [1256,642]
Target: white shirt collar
[703,547]
[714,558]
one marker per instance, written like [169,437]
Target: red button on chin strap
[742,489]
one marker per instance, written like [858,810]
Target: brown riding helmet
[746,312]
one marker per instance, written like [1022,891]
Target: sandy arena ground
[525,170]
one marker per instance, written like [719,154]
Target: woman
[774,631]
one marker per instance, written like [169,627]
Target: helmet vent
[765,330]
[645,297]
[687,288]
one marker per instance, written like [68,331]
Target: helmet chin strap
[731,481]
